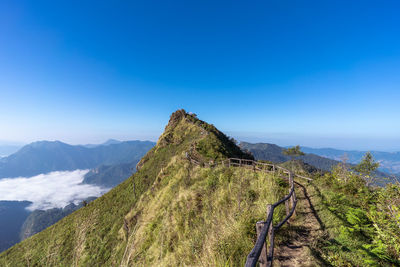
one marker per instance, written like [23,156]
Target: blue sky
[315,73]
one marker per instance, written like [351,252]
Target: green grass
[202,217]
[177,214]
[352,236]
[174,213]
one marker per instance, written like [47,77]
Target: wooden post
[293,197]
[287,207]
[291,182]
[262,260]
[269,208]
[271,249]
[290,186]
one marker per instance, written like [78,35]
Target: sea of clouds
[50,190]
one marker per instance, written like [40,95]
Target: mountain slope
[173,212]
[12,214]
[110,175]
[106,143]
[39,220]
[123,224]
[6,150]
[389,161]
[271,152]
[45,156]
[117,159]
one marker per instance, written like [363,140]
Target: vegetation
[293,152]
[274,153]
[366,168]
[39,220]
[110,175]
[175,213]
[200,216]
[178,214]
[361,223]
[389,161]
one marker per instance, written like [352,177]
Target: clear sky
[316,73]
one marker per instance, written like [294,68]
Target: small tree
[341,170]
[293,152]
[366,168]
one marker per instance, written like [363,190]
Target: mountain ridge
[47,156]
[173,212]
[389,161]
[274,153]
[113,216]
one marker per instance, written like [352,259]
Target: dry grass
[202,217]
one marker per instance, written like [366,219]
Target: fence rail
[265,229]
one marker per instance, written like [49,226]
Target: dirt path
[295,250]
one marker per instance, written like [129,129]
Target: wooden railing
[265,229]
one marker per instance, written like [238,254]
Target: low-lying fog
[50,190]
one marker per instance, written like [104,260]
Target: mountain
[39,220]
[110,164]
[12,214]
[110,175]
[111,142]
[45,156]
[273,153]
[162,212]
[176,210]
[6,150]
[389,161]
[106,143]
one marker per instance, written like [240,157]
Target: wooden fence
[265,229]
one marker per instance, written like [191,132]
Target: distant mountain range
[323,160]
[12,214]
[6,150]
[271,152]
[389,161]
[114,161]
[106,143]
[110,175]
[110,163]
[39,220]
[45,156]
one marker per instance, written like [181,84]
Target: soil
[304,229]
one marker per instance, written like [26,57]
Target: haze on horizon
[312,73]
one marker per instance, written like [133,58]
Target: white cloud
[50,190]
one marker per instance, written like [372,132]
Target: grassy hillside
[39,220]
[362,224]
[174,213]
[170,212]
[351,224]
